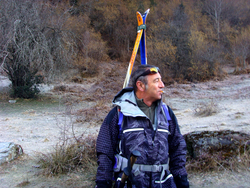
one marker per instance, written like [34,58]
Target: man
[148,126]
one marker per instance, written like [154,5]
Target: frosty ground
[38,125]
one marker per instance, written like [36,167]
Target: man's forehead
[154,76]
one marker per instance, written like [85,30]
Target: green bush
[26,92]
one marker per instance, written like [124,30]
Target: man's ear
[140,86]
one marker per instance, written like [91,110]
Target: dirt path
[38,125]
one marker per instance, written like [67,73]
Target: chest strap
[150,168]
[122,162]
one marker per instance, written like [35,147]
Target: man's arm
[105,148]
[177,153]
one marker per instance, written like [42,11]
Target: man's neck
[140,95]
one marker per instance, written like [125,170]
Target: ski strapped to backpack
[121,162]
[143,49]
[140,40]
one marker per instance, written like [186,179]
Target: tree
[168,40]
[204,58]
[23,45]
[180,34]
[223,12]
[213,8]
[241,50]
[117,25]
[160,50]
[41,37]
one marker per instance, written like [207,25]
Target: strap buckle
[140,27]
[156,168]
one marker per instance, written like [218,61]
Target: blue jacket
[159,147]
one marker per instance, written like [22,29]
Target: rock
[5,84]
[9,151]
[223,145]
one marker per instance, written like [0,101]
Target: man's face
[153,91]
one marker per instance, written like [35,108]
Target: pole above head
[143,48]
[140,42]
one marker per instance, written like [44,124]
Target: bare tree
[213,9]
[222,12]
[33,39]
[241,50]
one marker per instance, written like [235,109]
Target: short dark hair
[136,75]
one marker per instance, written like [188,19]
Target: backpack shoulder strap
[120,121]
[166,112]
[120,124]
[170,116]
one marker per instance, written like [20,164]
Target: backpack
[164,109]
[120,161]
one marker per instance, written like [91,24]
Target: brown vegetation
[69,156]
[189,40]
[206,109]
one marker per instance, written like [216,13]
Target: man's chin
[159,97]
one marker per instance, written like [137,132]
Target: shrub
[26,92]
[206,109]
[215,162]
[67,157]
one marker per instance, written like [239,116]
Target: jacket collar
[126,99]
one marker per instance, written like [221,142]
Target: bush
[216,162]
[24,81]
[25,92]
[68,157]
[206,109]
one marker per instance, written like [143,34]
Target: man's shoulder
[112,113]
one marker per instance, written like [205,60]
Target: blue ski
[143,49]
[140,42]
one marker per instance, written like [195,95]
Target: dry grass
[206,109]
[215,162]
[68,157]
[71,153]
[23,184]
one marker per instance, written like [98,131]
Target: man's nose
[162,84]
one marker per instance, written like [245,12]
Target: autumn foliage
[188,39]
